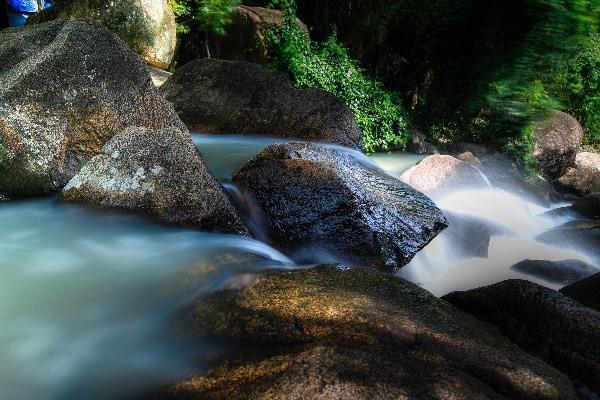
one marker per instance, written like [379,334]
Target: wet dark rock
[442,173]
[246,35]
[585,291]
[240,97]
[543,322]
[468,236]
[557,140]
[583,178]
[66,87]
[148,27]
[581,235]
[588,206]
[561,272]
[159,173]
[364,335]
[324,200]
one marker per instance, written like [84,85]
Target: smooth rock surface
[147,26]
[159,173]
[543,322]
[441,173]
[245,38]
[324,200]
[557,140]
[585,291]
[66,87]
[584,177]
[240,97]
[561,272]
[580,235]
[330,333]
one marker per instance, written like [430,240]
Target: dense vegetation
[475,70]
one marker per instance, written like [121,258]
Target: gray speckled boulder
[159,173]
[325,199]
[66,87]
[541,321]
[327,333]
[148,27]
[557,140]
[241,97]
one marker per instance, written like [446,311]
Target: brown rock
[240,97]
[329,333]
[583,178]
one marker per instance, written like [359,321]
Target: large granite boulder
[319,200]
[158,172]
[148,27]
[66,87]
[557,140]
[543,322]
[580,235]
[438,174]
[584,177]
[561,272]
[585,291]
[240,97]
[332,333]
[245,39]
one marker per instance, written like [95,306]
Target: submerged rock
[333,333]
[559,272]
[159,173]
[543,322]
[557,140]
[580,235]
[148,27]
[246,34]
[320,200]
[66,87]
[469,236]
[584,177]
[585,291]
[441,173]
[588,206]
[240,97]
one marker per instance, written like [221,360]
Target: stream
[88,297]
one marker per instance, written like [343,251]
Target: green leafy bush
[328,66]
[580,84]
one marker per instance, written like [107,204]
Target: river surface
[88,297]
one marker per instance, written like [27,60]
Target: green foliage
[212,15]
[580,86]
[329,67]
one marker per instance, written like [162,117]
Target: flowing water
[88,297]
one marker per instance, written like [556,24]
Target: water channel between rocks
[88,297]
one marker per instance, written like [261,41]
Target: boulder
[438,174]
[158,172]
[158,76]
[148,27]
[556,142]
[588,206]
[558,272]
[585,291]
[320,200]
[334,333]
[245,39]
[240,97]
[66,87]
[543,322]
[584,177]
[468,236]
[580,235]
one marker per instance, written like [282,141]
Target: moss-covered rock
[333,333]
[148,27]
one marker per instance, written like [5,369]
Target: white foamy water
[442,268]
